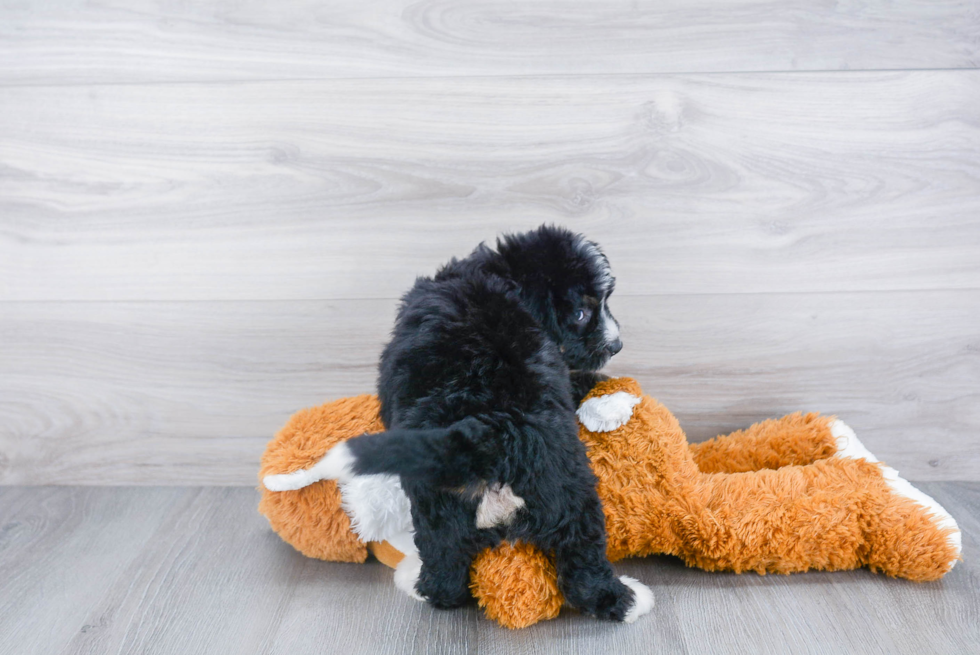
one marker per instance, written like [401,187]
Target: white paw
[642,598]
[849,446]
[606,413]
[497,507]
[407,575]
[337,464]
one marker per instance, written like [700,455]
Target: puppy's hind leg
[586,577]
[590,586]
[448,540]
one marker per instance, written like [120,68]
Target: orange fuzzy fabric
[311,518]
[828,514]
[772,498]
[516,585]
[797,439]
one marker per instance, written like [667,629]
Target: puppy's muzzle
[615,347]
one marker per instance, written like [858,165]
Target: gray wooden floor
[197,570]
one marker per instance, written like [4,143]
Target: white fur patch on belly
[497,507]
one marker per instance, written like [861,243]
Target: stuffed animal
[782,496]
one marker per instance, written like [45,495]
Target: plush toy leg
[915,537]
[311,518]
[841,511]
[516,585]
[838,513]
[797,439]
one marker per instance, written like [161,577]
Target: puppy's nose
[616,346]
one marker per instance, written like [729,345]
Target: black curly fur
[476,388]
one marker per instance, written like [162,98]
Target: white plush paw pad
[642,598]
[937,512]
[606,413]
[337,464]
[849,446]
[498,506]
[407,575]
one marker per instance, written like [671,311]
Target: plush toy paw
[850,447]
[606,413]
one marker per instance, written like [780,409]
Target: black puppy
[478,390]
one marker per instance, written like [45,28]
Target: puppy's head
[566,282]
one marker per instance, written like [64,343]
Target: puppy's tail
[453,456]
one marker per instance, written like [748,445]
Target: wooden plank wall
[208,211]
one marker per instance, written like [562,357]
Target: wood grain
[191,570]
[62,42]
[189,393]
[60,551]
[351,188]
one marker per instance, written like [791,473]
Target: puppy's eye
[583,315]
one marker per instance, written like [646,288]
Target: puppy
[478,390]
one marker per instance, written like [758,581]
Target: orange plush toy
[783,496]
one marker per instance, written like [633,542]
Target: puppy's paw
[407,575]
[642,598]
[606,413]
